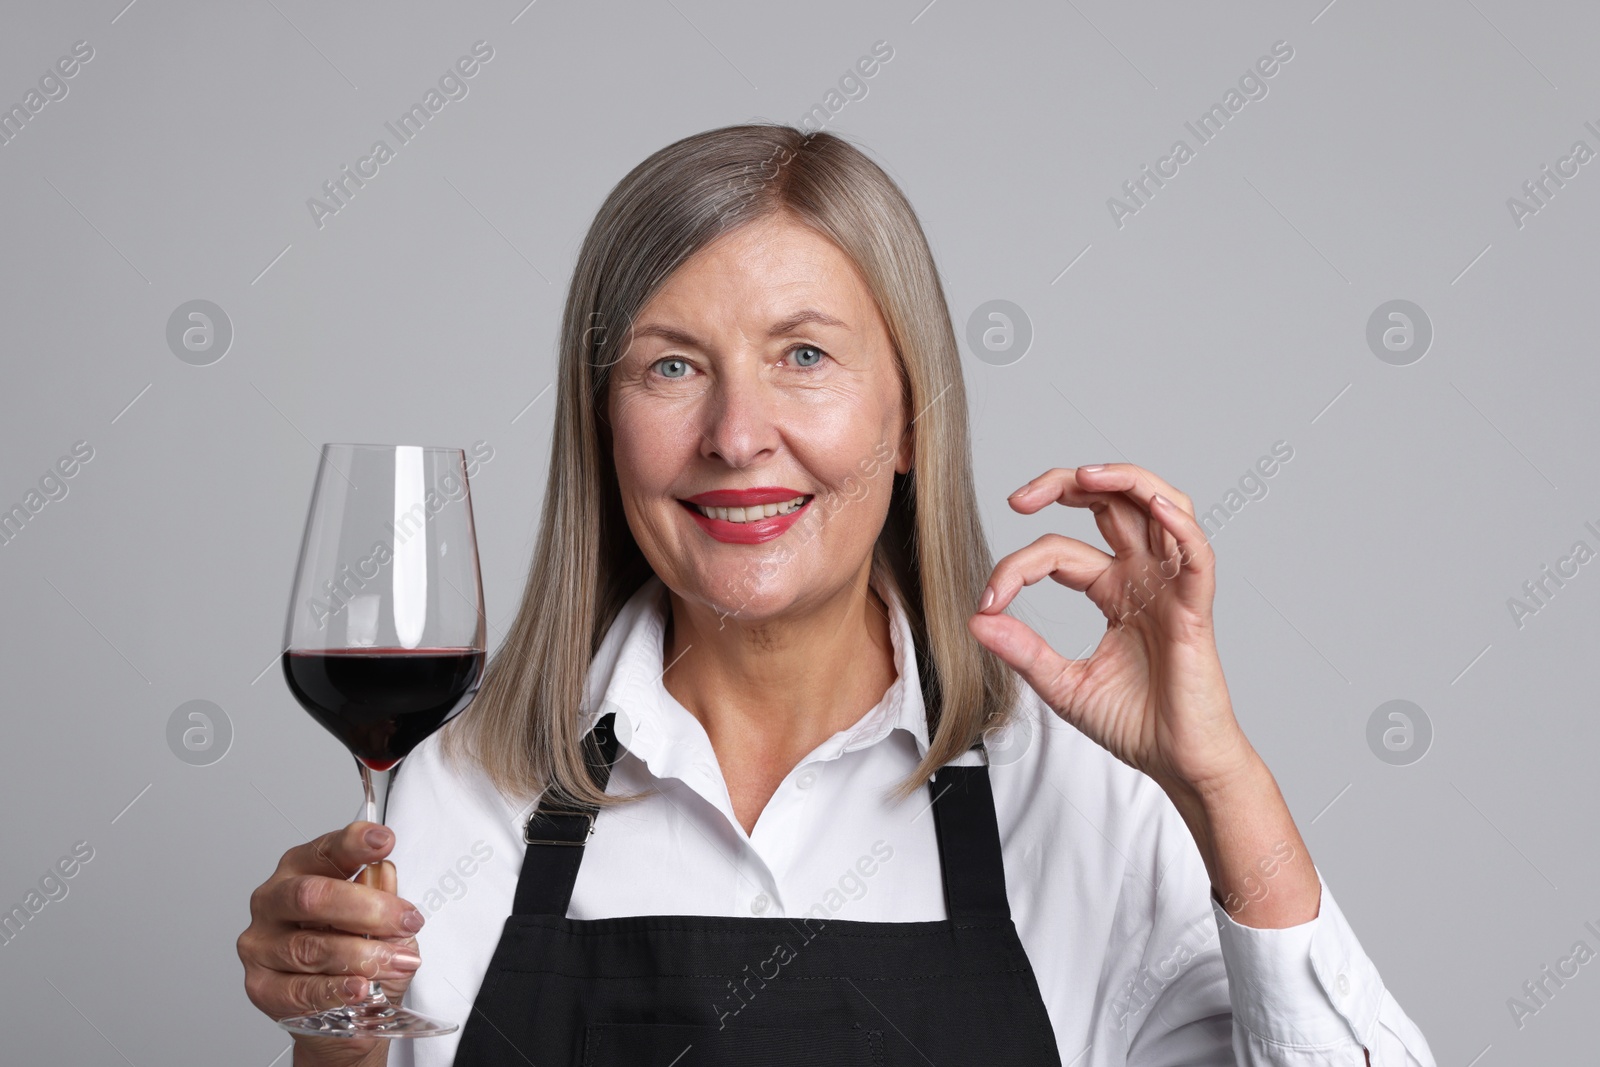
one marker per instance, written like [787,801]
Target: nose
[739,424]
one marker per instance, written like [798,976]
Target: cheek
[649,448]
[845,446]
[855,489]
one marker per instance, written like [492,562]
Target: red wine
[382,702]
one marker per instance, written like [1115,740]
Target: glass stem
[375,784]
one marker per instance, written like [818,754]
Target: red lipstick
[745,533]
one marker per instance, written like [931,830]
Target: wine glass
[385,638]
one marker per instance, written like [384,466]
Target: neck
[768,691]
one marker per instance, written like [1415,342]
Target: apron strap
[555,834]
[969,844]
[963,818]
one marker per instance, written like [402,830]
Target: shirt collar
[625,677]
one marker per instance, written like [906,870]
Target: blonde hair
[525,727]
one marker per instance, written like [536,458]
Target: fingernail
[1162,500]
[1092,467]
[405,960]
[412,921]
[1019,492]
[988,598]
[353,988]
[377,837]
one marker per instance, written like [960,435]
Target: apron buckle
[546,822]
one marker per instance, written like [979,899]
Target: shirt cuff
[1302,986]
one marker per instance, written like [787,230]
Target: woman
[762,639]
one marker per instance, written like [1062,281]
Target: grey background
[1228,314]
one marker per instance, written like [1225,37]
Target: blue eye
[671,360]
[808,348]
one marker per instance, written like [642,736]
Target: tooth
[754,511]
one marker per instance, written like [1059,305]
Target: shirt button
[806,780]
[1344,984]
[760,904]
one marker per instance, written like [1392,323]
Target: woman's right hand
[303,951]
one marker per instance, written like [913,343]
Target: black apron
[714,991]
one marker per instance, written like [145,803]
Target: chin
[744,592]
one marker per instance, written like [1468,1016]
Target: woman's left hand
[1152,692]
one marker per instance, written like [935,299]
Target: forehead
[762,272]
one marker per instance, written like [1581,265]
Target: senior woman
[762,641]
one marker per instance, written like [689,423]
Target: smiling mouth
[753,513]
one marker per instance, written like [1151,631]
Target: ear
[902,459]
[908,444]
[602,418]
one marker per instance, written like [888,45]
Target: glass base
[368,1020]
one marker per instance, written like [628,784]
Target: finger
[1130,478]
[280,995]
[340,852]
[1122,521]
[1073,563]
[1050,674]
[1057,485]
[348,906]
[1194,555]
[1139,485]
[381,876]
[332,952]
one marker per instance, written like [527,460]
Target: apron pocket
[660,1045]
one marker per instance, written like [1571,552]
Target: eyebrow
[778,329]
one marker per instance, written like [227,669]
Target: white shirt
[1136,962]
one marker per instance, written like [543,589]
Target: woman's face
[761,365]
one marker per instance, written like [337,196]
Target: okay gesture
[1152,692]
